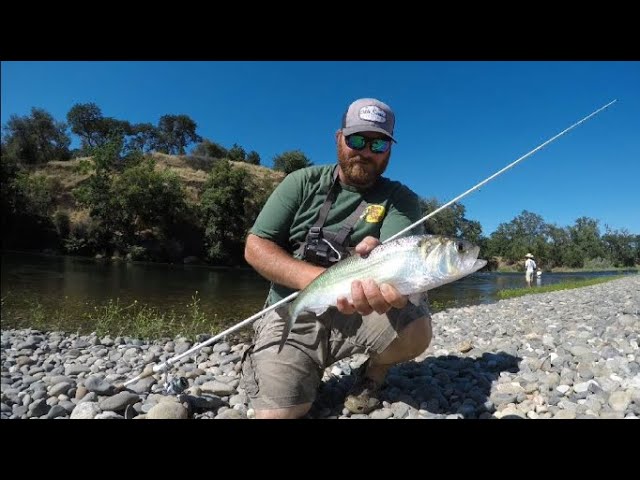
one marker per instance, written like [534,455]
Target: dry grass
[67,172]
[181,165]
[260,172]
[194,179]
[70,174]
[79,216]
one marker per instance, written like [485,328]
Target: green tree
[586,243]
[12,198]
[253,158]
[151,198]
[620,247]
[558,243]
[36,139]
[9,170]
[95,130]
[207,148]
[471,230]
[237,153]
[143,137]
[291,161]
[26,202]
[140,198]
[451,221]
[84,119]
[525,233]
[96,195]
[223,210]
[41,191]
[175,132]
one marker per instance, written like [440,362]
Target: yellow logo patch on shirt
[374,213]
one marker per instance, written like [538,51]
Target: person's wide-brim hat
[528,255]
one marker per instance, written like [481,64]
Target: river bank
[565,354]
[521,270]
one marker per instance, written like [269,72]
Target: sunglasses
[377,145]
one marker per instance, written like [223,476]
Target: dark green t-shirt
[293,208]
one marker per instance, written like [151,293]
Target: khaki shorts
[291,377]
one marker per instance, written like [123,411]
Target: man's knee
[417,336]
[280,385]
[295,411]
[411,341]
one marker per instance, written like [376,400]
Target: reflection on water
[80,282]
[483,287]
[232,294]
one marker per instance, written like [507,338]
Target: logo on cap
[373,113]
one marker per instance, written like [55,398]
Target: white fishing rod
[151,369]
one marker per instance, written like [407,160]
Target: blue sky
[457,123]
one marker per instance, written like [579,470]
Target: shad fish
[411,264]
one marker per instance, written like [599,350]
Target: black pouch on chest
[325,248]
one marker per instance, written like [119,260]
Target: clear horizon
[458,122]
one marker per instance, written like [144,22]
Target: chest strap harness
[322,247]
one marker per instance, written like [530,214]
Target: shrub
[62,223]
[598,263]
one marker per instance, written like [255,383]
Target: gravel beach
[566,354]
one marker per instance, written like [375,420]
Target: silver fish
[411,264]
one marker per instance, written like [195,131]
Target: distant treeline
[124,206]
[39,138]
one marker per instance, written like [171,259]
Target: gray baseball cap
[369,114]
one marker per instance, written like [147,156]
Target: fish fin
[416,298]
[289,320]
[288,324]
[285,335]
[283,311]
[318,310]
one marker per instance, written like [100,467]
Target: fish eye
[460,247]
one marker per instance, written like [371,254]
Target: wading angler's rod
[151,369]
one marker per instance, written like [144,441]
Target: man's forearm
[275,264]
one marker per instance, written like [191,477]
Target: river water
[77,284]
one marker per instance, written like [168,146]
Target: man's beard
[361,171]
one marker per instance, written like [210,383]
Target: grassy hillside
[44,212]
[193,171]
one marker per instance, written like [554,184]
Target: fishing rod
[151,369]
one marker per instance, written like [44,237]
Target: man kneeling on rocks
[314,217]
